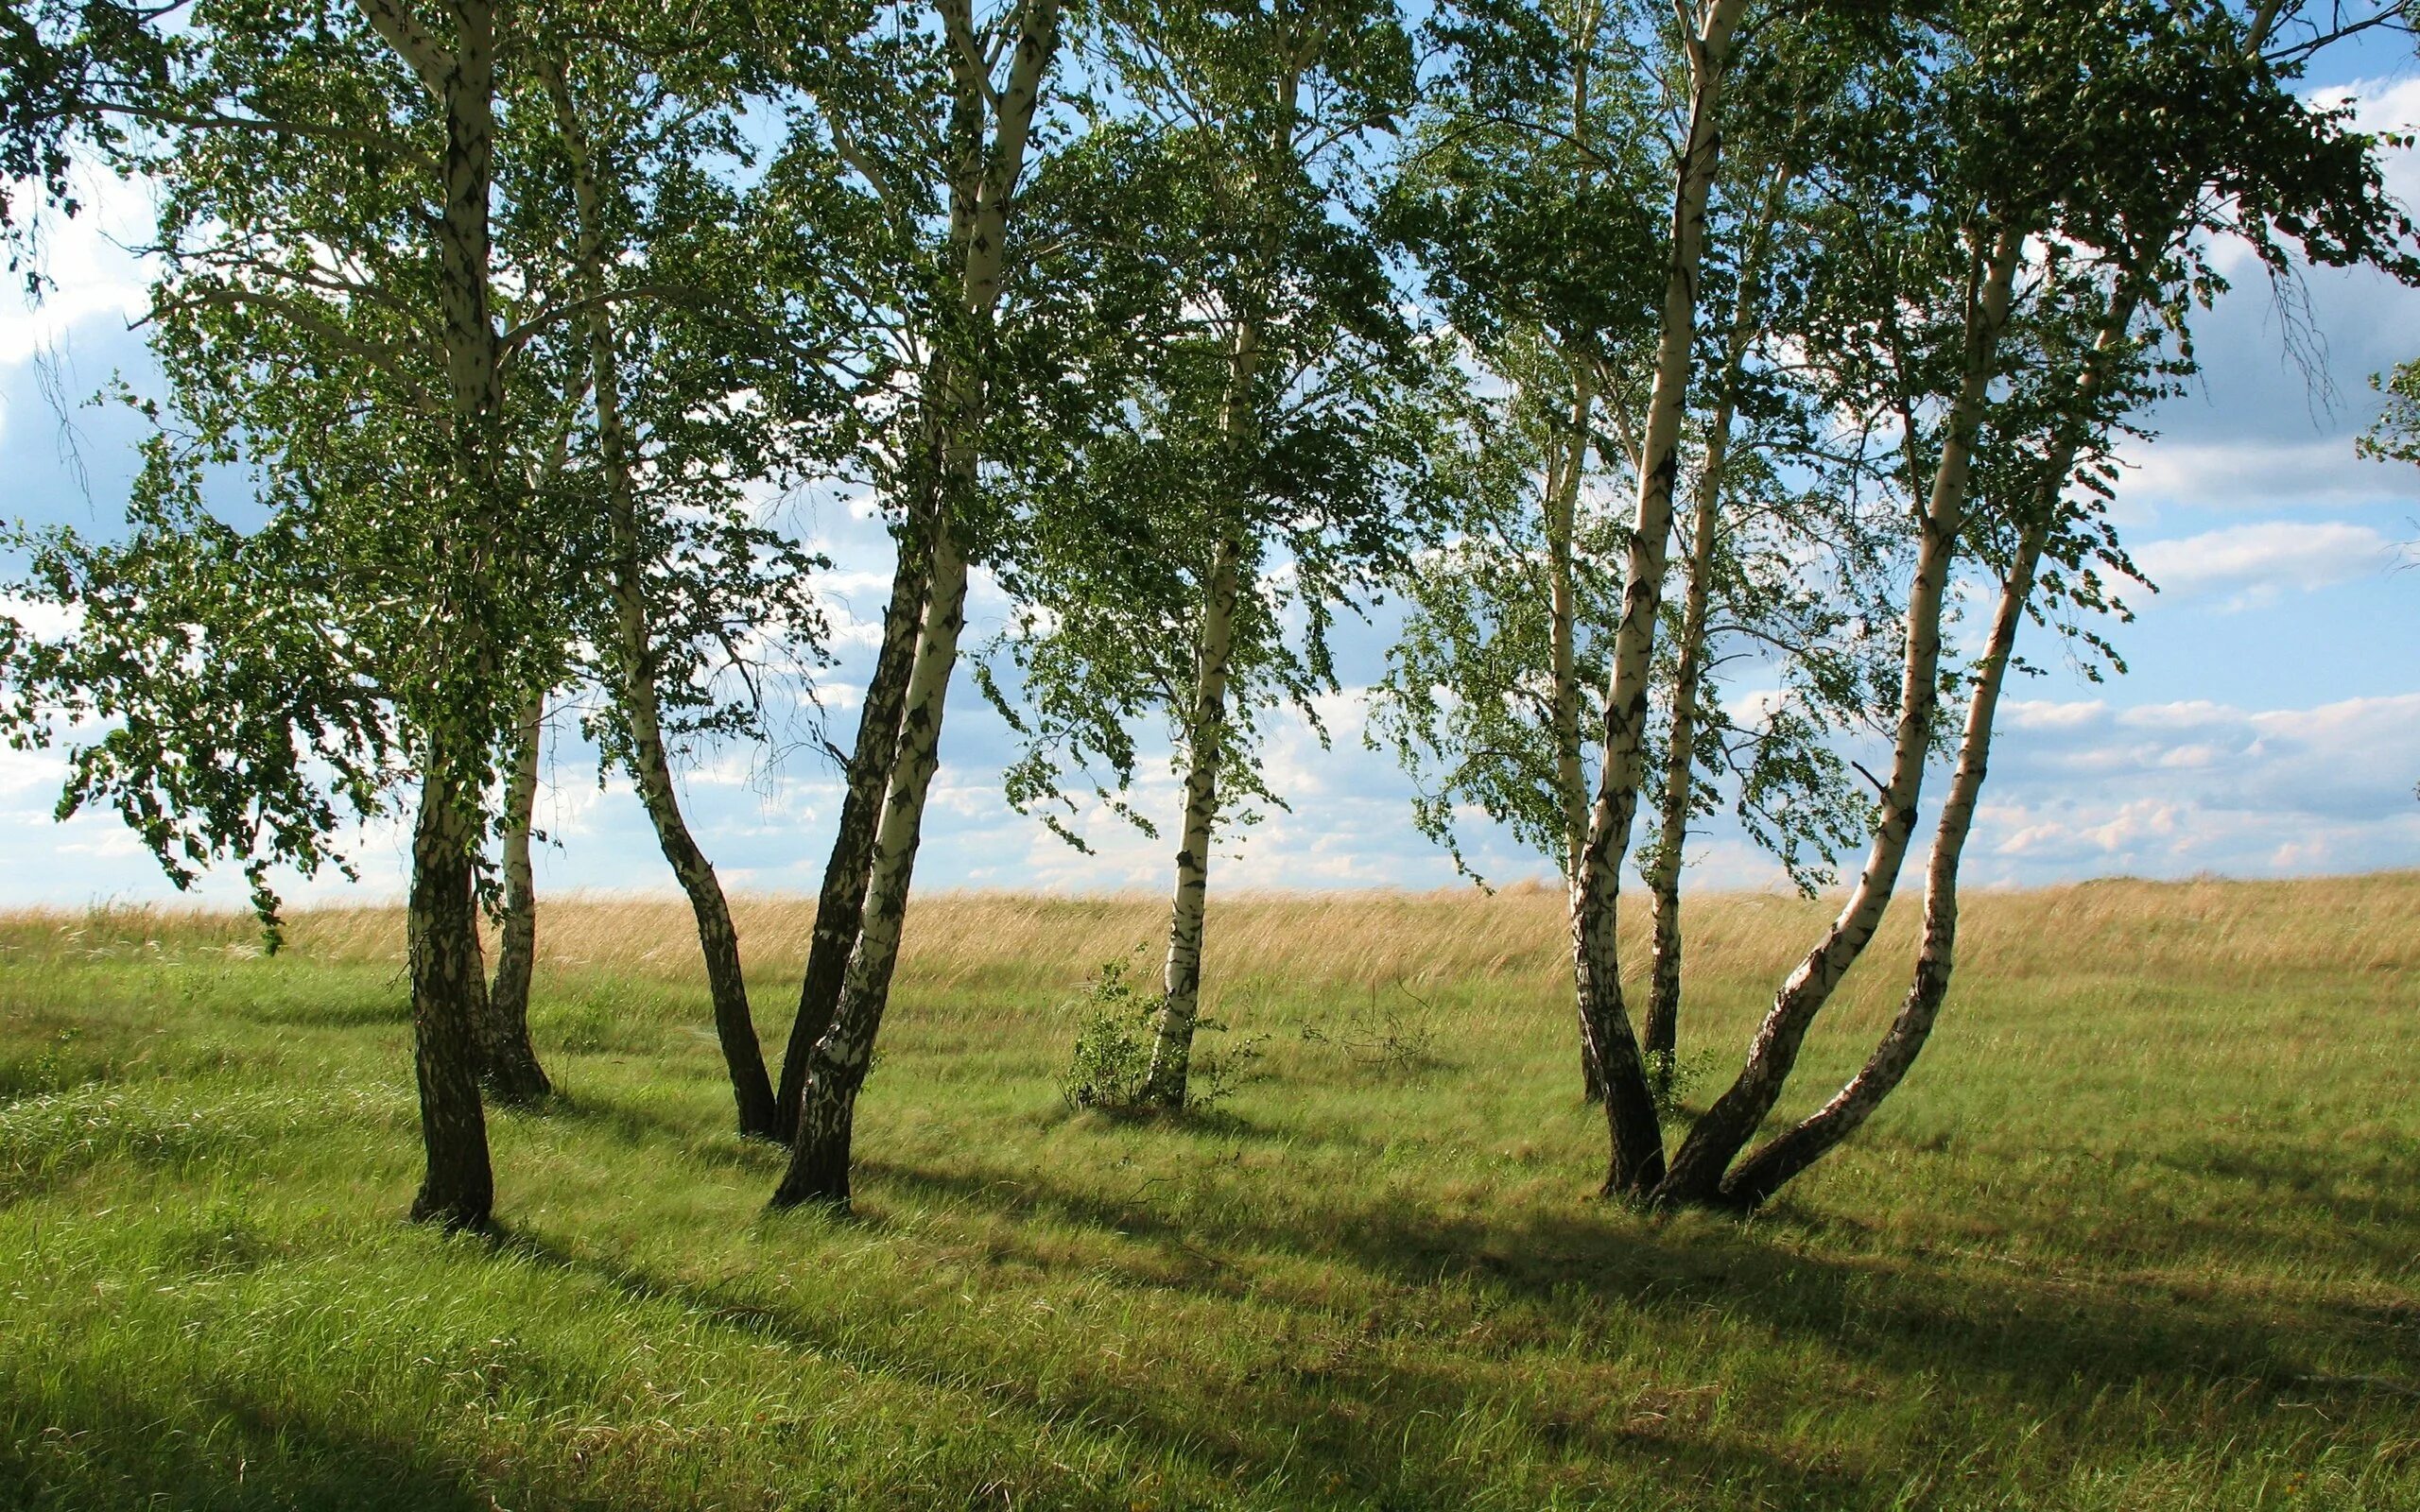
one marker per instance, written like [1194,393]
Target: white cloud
[2173,789]
[93,276]
[2257,562]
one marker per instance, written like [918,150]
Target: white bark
[1698,1169]
[1638,1141]
[981,193]
[1706,523]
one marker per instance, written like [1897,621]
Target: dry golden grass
[1421,941]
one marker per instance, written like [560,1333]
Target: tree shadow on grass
[2046,1336]
[635,1126]
[1338,1425]
[221,1448]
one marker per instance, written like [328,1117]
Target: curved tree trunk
[819,1155]
[634,662]
[1762,1173]
[1698,1169]
[841,906]
[509,1062]
[1636,1139]
[442,943]
[1680,757]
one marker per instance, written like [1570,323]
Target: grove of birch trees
[1705,400]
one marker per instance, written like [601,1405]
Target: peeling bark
[1697,1171]
[1636,1161]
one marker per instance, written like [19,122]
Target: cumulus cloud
[2254,564]
[2082,789]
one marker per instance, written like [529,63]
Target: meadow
[2142,1231]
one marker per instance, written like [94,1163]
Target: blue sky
[2270,724]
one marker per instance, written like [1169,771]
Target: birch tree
[686,352]
[2025,149]
[2248,161]
[948,187]
[1267,457]
[1532,214]
[330,317]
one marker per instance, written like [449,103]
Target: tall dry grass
[1421,942]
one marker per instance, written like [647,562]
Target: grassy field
[2142,1231]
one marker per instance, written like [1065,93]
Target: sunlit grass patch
[2140,1233]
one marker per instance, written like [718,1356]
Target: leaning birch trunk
[841,906]
[819,1154]
[836,1068]
[509,1062]
[1636,1161]
[848,869]
[1205,748]
[458,1188]
[634,663]
[1698,1169]
[1680,758]
[1762,1173]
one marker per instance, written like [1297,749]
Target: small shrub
[1112,1060]
[1672,1077]
[1113,1055]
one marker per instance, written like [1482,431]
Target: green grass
[2142,1231]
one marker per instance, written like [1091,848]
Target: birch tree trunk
[635,660]
[1566,469]
[1636,1161]
[1680,765]
[819,1155]
[1764,1173]
[1664,979]
[458,1188]
[980,194]
[1205,730]
[841,906]
[1697,1171]
[848,869]
[509,1062]
[1757,1177]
